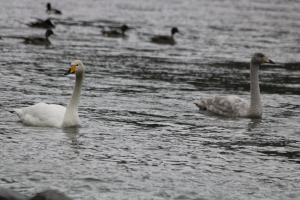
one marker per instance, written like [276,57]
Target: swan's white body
[234,106]
[42,114]
[52,115]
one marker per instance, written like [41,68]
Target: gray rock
[7,194]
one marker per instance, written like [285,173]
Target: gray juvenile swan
[53,115]
[234,106]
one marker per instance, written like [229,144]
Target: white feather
[42,114]
[53,115]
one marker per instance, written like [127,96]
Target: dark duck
[165,39]
[116,33]
[39,40]
[47,24]
[51,10]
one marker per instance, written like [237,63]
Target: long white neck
[71,117]
[255,109]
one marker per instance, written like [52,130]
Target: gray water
[141,137]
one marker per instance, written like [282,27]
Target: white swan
[53,115]
[234,106]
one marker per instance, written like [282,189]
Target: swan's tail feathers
[201,104]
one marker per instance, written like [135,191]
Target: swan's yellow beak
[71,70]
[267,60]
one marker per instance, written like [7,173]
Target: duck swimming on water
[39,40]
[234,106]
[47,24]
[166,39]
[51,10]
[119,32]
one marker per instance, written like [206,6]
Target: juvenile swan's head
[260,58]
[76,67]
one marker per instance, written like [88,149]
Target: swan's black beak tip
[271,61]
[71,70]
[67,72]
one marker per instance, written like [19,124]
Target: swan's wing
[225,105]
[42,114]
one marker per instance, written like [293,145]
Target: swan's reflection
[73,134]
[253,123]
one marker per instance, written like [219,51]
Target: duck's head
[48,33]
[48,6]
[124,28]
[75,67]
[260,58]
[174,30]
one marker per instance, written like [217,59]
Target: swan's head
[174,30]
[75,68]
[260,58]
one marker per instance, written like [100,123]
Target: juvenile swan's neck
[71,117]
[255,109]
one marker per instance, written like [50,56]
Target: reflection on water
[72,133]
[254,123]
[141,137]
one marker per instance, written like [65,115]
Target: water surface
[141,137]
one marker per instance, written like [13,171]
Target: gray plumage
[234,106]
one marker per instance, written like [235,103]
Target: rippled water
[141,136]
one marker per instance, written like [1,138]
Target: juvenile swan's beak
[71,70]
